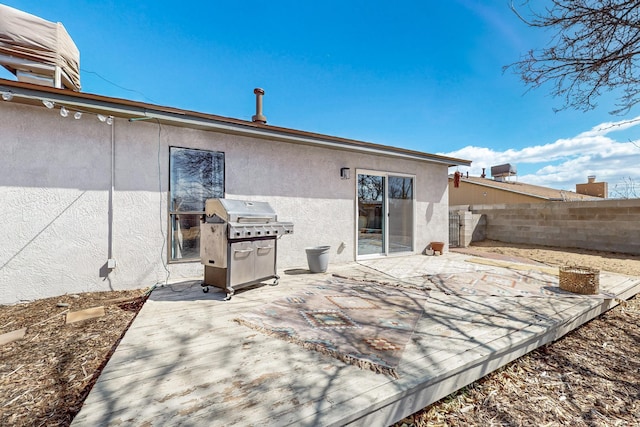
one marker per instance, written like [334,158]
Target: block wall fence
[607,225]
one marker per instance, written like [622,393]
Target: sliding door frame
[385,220]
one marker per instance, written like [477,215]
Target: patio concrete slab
[184,361]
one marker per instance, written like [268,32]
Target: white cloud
[566,162]
[605,128]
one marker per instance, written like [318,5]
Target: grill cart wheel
[205,289]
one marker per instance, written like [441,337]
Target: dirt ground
[590,377]
[46,375]
[607,261]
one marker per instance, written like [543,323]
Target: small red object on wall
[456,179]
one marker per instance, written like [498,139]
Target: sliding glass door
[385,217]
[371,213]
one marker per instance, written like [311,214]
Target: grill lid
[240,211]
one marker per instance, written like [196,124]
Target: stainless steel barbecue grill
[238,243]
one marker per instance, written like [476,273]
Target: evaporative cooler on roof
[38,51]
[501,171]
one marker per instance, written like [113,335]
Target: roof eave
[30,93]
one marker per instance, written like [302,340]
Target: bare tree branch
[594,49]
[627,189]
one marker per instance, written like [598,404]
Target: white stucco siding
[303,185]
[56,181]
[53,203]
[46,242]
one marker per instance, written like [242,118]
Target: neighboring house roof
[526,189]
[35,94]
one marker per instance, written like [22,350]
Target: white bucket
[318,258]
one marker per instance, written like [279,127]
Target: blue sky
[423,75]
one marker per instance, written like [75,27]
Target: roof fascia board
[178,117]
[280,136]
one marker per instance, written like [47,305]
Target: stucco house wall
[480,191]
[62,218]
[472,194]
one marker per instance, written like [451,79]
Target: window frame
[172,213]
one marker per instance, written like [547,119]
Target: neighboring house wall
[607,225]
[55,192]
[473,194]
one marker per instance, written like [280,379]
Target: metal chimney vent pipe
[259,118]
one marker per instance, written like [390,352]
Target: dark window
[195,176]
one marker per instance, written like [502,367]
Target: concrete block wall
[608,225]
[472,225]
[466,228]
